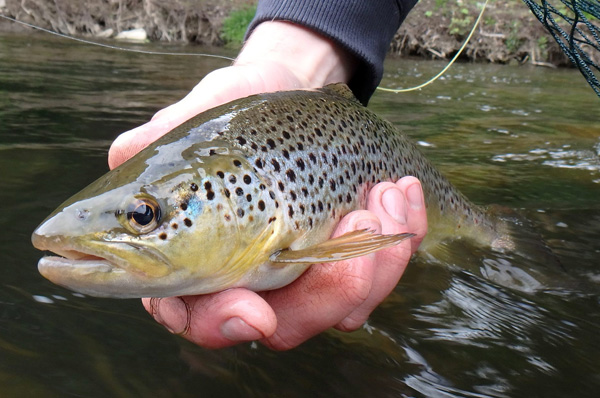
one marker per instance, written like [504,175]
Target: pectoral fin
[350,245]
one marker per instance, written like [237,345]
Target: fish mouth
[86,264]
[102,268]
[70,257]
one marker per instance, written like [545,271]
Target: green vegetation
[235,25]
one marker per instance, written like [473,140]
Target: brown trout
[244,195]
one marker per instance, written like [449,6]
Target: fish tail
[517,235]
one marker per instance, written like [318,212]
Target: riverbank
[434,29]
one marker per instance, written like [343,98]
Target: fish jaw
[90,270]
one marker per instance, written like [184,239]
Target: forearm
[313,59]
[362,28]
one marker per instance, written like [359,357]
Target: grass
[235,25]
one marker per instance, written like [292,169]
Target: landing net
[575,26]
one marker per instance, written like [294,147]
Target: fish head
[154,229]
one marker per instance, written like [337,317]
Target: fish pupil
[143,214]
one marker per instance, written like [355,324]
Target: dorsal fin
[340,90]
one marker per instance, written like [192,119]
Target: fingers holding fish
[398,214]
[216,88]
[215,320]
[325,294]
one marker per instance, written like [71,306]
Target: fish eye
[143,215]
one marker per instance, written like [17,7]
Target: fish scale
[245,195]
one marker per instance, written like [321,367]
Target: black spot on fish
[320,205]
[193,186]
[280,185]
[237,163]
[285,153]
[290,211]
[275,164]
[300,164]
[285,134]
[187,222]
[174,225]
[239,191]
[249,198]
[227,217]
[261,205]
[207,185]
[241,140]
[212,152]
[334,159]
[291,119]
[210,195]
[247,179]
[232,179]
[259,163]
[226,192]
[240,213]
[221,174]
[293,195]
[291,175]
[271,143]
[272,194]
[183,206]
[162,236]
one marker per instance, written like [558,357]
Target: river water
[477,325]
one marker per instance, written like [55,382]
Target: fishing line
[428,82]
[231,59]
[111,46]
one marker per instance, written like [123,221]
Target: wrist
[313,59]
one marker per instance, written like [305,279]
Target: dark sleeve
[363,27]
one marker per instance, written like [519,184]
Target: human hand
[278,56]
[283,56]
[340,294]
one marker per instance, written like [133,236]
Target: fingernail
[236,329]
[393,203]
[414,195]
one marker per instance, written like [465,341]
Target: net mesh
[574,25]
